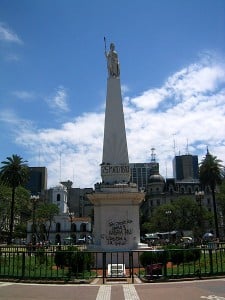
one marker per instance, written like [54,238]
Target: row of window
[74,227]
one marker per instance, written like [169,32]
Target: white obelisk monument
[116,200]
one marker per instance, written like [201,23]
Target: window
[58,197]
[58,227]
[73,227]
[83,227]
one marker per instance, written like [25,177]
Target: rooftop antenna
[39,158]
[60,165]
[152,155]
[187,150]
[174,145]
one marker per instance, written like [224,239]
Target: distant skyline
[53,79]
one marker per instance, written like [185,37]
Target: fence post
[104,266]
[165,263]
[23,264]
[131,265]
[210,261]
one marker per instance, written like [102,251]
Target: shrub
[77,261]
[41,255]
[153,257]
[178,255]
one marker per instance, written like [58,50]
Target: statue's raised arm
[112,62]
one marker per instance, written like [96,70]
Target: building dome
[156,178]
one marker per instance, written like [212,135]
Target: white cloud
[23,95]
[58,101]
[11,57]
[10,118]
[151,99]
[189,106]
[8,35]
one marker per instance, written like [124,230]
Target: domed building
[160,191]
[155,189]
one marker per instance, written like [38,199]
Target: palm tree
[14,172]
[211,174]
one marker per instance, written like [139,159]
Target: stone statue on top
[112,61]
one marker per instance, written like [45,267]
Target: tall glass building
[185,167]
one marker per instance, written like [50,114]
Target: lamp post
[71,215]
[168,214]
[199,196]
[34,199]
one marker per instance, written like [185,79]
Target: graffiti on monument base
[117,232]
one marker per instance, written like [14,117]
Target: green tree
[221,201]
[13,173]
[22,210]
[45,215]
[5,195]
[210,175]
[161,221]
[182,214]
[190,215]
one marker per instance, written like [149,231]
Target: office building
[185,167]
[37,183]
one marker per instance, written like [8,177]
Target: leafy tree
[186,211]
[161,221]
[45,215]
[210,175]
[22,204]
[221,200]
[13,173]
[21,210]
[5,195]
[184,215]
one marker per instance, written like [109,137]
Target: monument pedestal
[116,217]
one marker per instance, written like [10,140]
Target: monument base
[116,217]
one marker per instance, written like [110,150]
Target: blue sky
[53,80]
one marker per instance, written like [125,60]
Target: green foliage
[211,174]
[77,261]
[146,228]
[179,255]
[221,198]
[211,171]
[45,214]
[13,173]
[160,221]
[171,253]
[41,255]
[153,257]
[185,214]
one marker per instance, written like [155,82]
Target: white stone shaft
[115,142]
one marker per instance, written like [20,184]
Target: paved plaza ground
[213,289]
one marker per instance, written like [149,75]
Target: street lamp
[168,213]
[71,215]
[199,196]
[34,199]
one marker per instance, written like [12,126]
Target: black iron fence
[73,265]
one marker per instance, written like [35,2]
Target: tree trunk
[11,217]
[215,213]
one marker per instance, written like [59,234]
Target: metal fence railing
[72,265]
